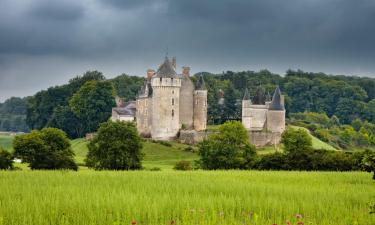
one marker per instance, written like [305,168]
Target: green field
[6,142]
[197,197]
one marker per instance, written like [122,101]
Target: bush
[295,140]
[183,165]
[46,149]
[368,163]
[117,146]
[6,160]
[155,169]
[275,161]
[228,149]
[165,143]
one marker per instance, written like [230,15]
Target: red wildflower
[298,216]
[134,222]
[300,223]
[173,222]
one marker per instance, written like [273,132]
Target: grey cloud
[333,36]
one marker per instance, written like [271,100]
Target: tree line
[345,97]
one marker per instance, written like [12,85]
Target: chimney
[150,73]
[186,71]
[174,63]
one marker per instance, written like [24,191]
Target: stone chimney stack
[150,73]
[174,63]
[186,71]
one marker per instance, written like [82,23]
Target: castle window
[172,92]
[172,101]
[160,79]
[172,80]
[172,112]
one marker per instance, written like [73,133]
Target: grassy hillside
[6,142]
[189,197]
[317,143]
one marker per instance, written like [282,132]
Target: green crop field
[196,197]
[6,142]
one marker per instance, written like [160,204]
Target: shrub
[228,149]
[296,140]
[368,163]
[275,161]
[6,160]
[117,146]
[46,149]
[183,165]
[155,169]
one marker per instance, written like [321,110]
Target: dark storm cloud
[53,40]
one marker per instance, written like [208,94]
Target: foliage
[6,160]
[183,165]
[368,163]
[228,149]
[295,140]
[93,103]
[12,115]
[117,146]
[46,149]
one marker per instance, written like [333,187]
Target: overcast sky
[47,42]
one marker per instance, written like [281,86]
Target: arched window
[172,112]
[172,101]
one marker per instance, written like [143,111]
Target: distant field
[195,197]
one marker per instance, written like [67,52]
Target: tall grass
[198,197]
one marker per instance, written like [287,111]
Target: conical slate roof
[166,70]
[260,97]
[276,103]
[246,96]
[200,85]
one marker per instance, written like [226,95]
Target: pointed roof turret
[260,97]
[276,103]
[268,97]
[246,96]
[166,70]
[200,85]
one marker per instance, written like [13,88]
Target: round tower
[246,110]
[276,113]
[165,98]
[200,106]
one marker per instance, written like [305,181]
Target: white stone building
[168,102]
[264,117]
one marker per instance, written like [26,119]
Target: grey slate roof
[127,110]
[276,101]
[260,97]
[200,85]
[246,96]
[166,70]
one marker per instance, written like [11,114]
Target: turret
[276,113]
[246,111]
[200,105]
[166,97]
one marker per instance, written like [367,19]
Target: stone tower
[186,99]
[276,113]
[165,102]
[246,111]
[200,105]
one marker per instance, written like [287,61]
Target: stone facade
[264,118]
[167,102]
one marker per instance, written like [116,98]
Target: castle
[168,102]
[264,117]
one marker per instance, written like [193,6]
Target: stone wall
[260,139]
[186,102]
[192,137]
[200,110]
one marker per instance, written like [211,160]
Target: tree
[46,149]
[295,140]
[368,163]
[6,160]
[93,103]
[117,146]
[64,119]
[230,148]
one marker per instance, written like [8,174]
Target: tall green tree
[117,146]
[296,140]
[46,149]
[230,148]
[93,103]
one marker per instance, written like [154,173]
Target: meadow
[198,197]
[189,197]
